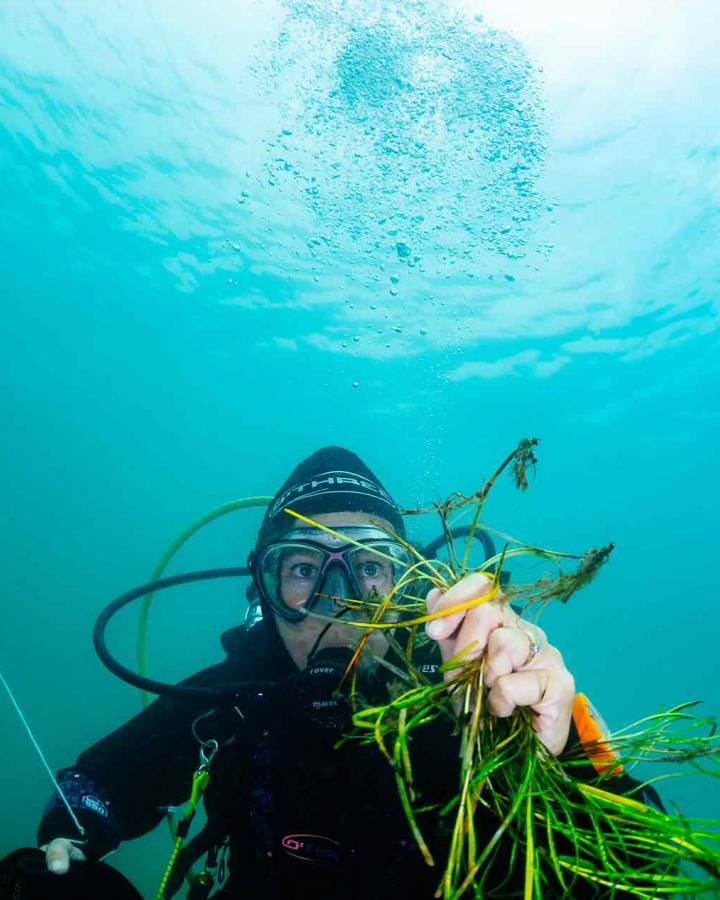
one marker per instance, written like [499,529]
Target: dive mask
[310,569]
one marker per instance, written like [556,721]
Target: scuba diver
[289,812]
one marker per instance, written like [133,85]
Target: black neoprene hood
[332,479]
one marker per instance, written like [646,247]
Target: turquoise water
[232,235]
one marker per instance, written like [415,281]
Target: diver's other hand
[514,675]
[60,853]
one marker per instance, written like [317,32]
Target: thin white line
[40,754]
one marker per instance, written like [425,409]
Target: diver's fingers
[470,588]
[512,648]
[434,594]
[59,853]
[548,692]
[517,689]
[472,638]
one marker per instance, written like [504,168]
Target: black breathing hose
[460,531]
[228,692]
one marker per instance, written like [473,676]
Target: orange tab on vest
[592,738]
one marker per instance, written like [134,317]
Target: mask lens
[375,569]
[297,574]
[290,573]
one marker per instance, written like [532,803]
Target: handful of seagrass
[566,835]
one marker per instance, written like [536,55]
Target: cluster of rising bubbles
[412,132]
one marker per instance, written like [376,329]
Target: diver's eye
[371,570]
[303,570]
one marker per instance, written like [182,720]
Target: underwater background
[232,233]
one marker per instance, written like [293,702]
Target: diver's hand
[512,676]
[60,853]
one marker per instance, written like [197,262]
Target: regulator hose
[479,534]
[227,692]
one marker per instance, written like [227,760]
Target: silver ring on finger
[533,649]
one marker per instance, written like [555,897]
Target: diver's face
[301,638]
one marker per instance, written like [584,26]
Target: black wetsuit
[303,819]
